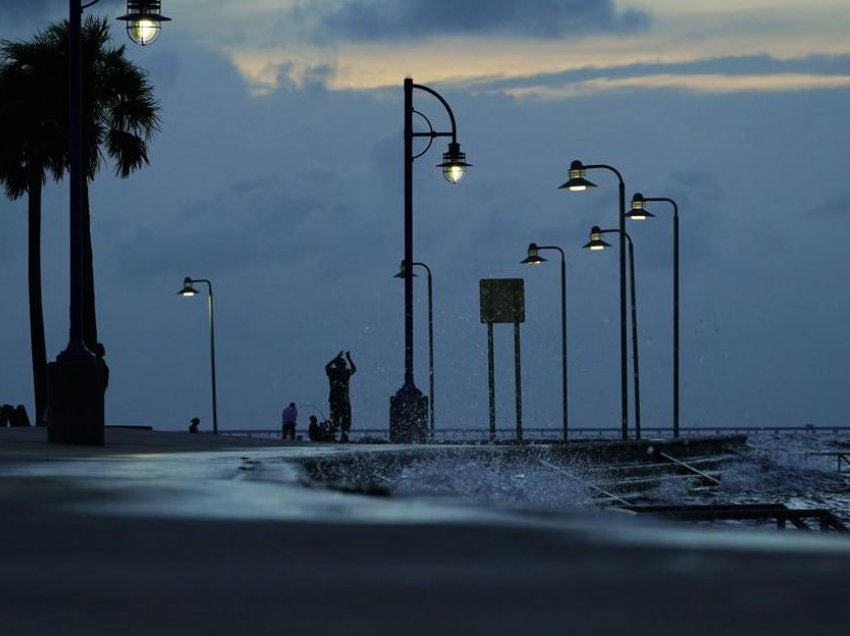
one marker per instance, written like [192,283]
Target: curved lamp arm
[433,133]
[604,166]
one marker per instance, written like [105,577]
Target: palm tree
[31,148]
[120,115]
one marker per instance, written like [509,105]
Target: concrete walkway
[172,533]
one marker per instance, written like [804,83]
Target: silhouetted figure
[100,354]
[194,423]
[20,417]
[321,431]
[287,421]
[314,431]
[339,375]
[7,414]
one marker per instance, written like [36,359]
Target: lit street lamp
[408,421]
[401,274]
[578,183]
[534,258]
[639,213]
[76,380]
[188,290]
[143,20]
[595,244]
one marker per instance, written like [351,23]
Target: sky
[277,175]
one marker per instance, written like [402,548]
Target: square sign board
[502,300]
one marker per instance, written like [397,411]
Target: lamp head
[143,20]
[402,272]
[188,290]
[454,163]
[577,181]
[638,211]
[596,243]
[533,257]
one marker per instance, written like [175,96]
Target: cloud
[265,73]
[742,74]
[396,19]
[703,83]
[17,17]
[22,9]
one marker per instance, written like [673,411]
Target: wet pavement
[172,533]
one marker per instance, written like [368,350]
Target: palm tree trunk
[89,313]
[37,347]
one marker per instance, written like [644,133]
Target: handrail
[679,462]
[583,482]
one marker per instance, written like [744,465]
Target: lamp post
[407,408]
[578,183]
[534,258]
[189,290]
[594,244]
[76,380]
[639,212]
[401,274]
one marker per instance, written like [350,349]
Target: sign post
[503,300]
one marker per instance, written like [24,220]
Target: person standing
[288,419]
[20,417]
[7,415]
[100,355]
[339,372]
[194,423]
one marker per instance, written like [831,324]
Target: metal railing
[779,513]
[841,457]
[482,435]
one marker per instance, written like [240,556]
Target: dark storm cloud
[20,9]
[262,220]
[392,19]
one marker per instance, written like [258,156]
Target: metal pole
[564,385]
[408,233]
[75,347]
[76,380]
[491,381]
[676,368]
[430,349]
[624,399]
[212,360]
[675,319]
[407,407]
[635,364]
[564,341]
[518,382]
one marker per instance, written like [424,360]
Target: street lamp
[407,408]
[401,274]
[577,182]
[76,380]
[189,290]
[639,213]
[534,258]
[143,20]
[596,244]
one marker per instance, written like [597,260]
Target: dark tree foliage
[120,115]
